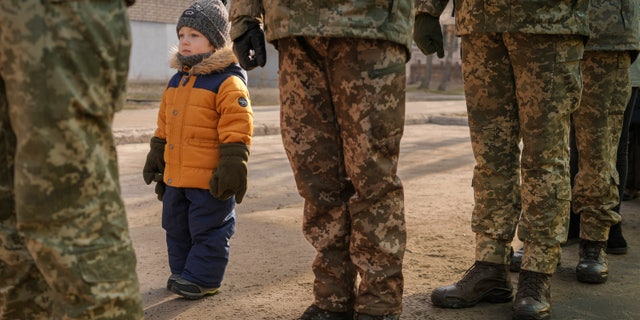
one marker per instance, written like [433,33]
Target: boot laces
[471,274]
[591,250]
[532,285]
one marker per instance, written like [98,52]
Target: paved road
[137,125]
[435,166]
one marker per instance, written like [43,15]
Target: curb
[132,136]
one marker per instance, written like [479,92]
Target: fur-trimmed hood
[218,61]
[203,107]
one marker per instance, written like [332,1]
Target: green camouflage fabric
[614,25]
[598,125]
[521,88]
[366,19]
[342,137]
[65,248]
[635,73]
[567,17]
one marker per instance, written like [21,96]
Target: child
[204,130]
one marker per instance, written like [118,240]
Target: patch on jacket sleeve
[242,101]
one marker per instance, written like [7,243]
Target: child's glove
[251,40]
[427,34]
[231,175]
[155,160]
[160,187]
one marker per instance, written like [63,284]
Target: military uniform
[598,121]
[521,71]
[342,80]
[521,68]
[597,126]
[65,246]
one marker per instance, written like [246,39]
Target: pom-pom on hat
[209,17]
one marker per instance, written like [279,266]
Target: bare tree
[450,45]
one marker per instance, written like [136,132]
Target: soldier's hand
[250,48]
[427,34]
[129,2]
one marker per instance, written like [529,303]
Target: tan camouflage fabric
[366,19]
[598,126]
[521,88]
[598,121]
[342,119]
[65,249]
[567,17]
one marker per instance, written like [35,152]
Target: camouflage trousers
[520,90]
[342,120]
[65,249]
[598,124]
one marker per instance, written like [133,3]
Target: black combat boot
[616,244]
[315,313]
[361,316]
[484,281]
[533,300]
[592,266]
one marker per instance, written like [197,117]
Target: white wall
[150,51]
[152,42]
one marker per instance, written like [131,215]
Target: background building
[153,29]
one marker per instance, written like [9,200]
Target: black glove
[129,2]
[160,187]
[155,160]
[251,40]
[231,175]
[427,34]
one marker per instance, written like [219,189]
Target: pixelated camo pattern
[342,120]
[390,20]
[521,89]
[598,126]
[63,71]
[526,16]
[614,25]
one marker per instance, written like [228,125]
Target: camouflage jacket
[635,76]
[614,25]
[525,16]
[369,19]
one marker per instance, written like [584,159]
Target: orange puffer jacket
[202,107]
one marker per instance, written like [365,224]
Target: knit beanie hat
[209,17]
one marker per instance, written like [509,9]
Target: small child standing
[199,151]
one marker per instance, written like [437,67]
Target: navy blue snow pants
[198,228]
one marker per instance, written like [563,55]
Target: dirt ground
[269,274]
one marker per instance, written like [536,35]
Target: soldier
[598,126]
[342,81]
[597,169]
[521,70]
[65,247]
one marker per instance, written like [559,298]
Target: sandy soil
[269,275]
